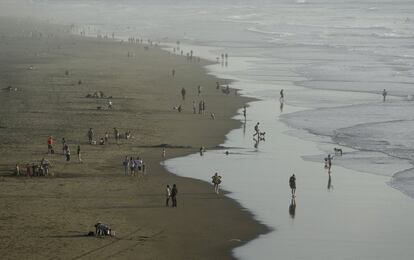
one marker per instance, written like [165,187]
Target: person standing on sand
[384,95]
[90,135]
[244,112]
[174,192]
[132,166]
[216,179]
[116,134]
[78,152]
[126,165]
[67,154]
[194,107]
[50,145]
[183,93]
[163,152]
[292,184]
[168,196]
[200,107]
[199,90]
[282,96]
[202,150]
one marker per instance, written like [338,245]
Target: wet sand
[48,217]
[352,215]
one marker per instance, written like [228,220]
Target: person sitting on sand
[216,179]
[102,230]
[292,184]
[101,141]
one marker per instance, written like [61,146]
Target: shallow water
[333,58]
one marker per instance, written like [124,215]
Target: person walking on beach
[244,112]
[183,93]
[292,184]
[256,130]
[90,135]
[78,152]
[282,96]
[167,195]
[216,179]
[174,192]
[384,95]
[125,162]
[329,159]
[163,152]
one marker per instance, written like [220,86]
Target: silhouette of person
[292,184]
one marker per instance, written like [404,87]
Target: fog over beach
[333,59]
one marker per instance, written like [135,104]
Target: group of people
[65,149]
[133,166]
[33,170]
[105,139]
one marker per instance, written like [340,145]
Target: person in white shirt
[168,196]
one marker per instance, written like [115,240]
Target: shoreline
[114,208]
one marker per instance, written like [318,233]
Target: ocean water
[333,58]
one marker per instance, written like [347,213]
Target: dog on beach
[338,151]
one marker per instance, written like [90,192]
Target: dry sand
[48,217]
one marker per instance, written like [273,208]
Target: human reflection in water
[244,126]
[256,142]
[330,186]
[281,105]
[292,208]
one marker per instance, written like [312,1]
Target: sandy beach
[48,217]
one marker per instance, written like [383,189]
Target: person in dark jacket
[174,192]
